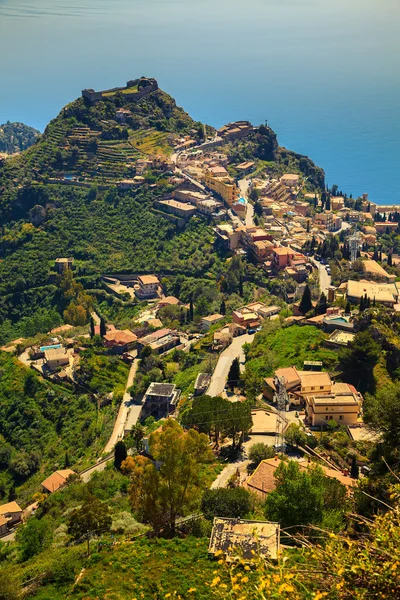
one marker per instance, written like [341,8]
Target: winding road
[235,350]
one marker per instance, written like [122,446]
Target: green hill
[15,137]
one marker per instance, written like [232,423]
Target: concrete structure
[299,384]
[252,314]
[63,264]
[239,538]
[160,399]
[290,180]
[282,257]
[202,383]
[207,322]
[339,339]
[148,287]
[56,480]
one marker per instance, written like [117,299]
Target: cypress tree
[191,309]
[222,308]
[347,310]
[354,471]
[362,304]
[120,454]
[306,304]
[91,327]
[103,328]
[389,260]
[234,374]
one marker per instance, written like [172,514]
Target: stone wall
[93,96]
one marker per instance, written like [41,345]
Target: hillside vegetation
[15,137]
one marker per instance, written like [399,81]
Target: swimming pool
[44,348]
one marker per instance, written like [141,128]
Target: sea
[324,74]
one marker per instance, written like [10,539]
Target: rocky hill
[15,137]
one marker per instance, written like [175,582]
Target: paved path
[223,478]
[235,350]
[118,432]
[244,189]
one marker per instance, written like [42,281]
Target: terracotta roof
[120,337]
[314,378]
[10,507]
[57,479]
[3,520]
[169,300]
[148,279]
[283,251]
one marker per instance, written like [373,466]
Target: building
[326,220]
[56,357]
[240,538]
[159,341]
[262,482]
[119,341]
[57,480]
[290,180]
[63,264]
[245,168]
[373,270]
[282,257]
[342,405]
[383,293]
[10,514]
[159,400]
[148,287]
[339,339]
[227,236]
[299,384]
[202,382]
[223,186]
[168,301]
[207,322]
[252,314]
[174,207]
[236,130]
[337,202]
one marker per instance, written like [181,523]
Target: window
[326,418]
[326,408]
[341,418]
[321,387]
[313,388]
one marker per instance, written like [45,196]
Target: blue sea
[324,73]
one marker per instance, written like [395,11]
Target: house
[159,400]
[342,405]
[202,382]
[148,287]
[262,482]
[57,480]
[299,384]
[337,202]
[218,171]
[174,207]
[119,341]
[250,315]
[290,180]
[10,514]
[207,322]
[168,301]
[374,271]
[240,538]
[383,293]
[159,341]
[222,339]
[245,167]
[282,257]
[63,264]
[56,357]
[227,236]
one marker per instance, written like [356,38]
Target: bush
[226,502]
[259,452]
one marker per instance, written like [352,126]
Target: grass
[130,90]
[276,347]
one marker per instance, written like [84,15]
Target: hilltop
[66,196]
[15,137]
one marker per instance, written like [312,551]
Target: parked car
[251,331]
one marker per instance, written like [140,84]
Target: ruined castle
[140,87]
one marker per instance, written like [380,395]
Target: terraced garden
[151,141]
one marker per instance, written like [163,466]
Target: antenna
[281,399]
[354,243]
